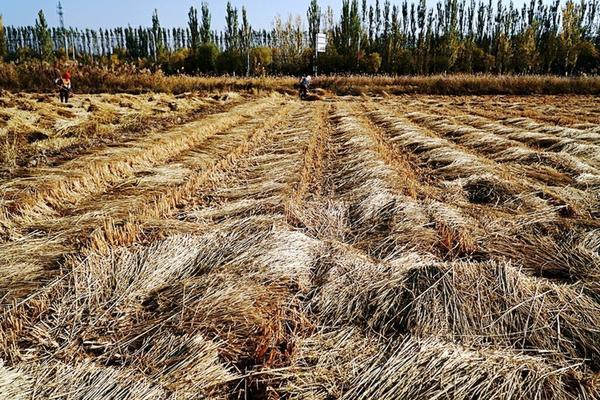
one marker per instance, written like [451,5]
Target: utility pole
[316,43]
[61,18]
[315,63]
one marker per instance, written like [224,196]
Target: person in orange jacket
[64,87]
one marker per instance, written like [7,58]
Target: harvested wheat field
[257,247]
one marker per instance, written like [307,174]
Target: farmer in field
[304,86]
[64,87]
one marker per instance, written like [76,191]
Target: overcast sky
[112,13]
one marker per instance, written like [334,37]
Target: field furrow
[118,216]
[548,123]
[353,248]
[511,200]
[57,188]
[512,146]
[559,179]
[565,141]
[557,111]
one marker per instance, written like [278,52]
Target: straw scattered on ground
[230,247]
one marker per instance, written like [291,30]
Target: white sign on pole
[321,42]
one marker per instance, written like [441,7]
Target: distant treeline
[380,37]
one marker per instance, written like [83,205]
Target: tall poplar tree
[44,39]
[3,43]
[314,22]
[205,30]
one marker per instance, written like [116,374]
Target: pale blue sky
[112,13]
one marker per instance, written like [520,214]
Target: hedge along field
[256,246]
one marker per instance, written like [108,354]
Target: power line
[61,18]
[61,15]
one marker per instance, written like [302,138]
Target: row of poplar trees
[366,37]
